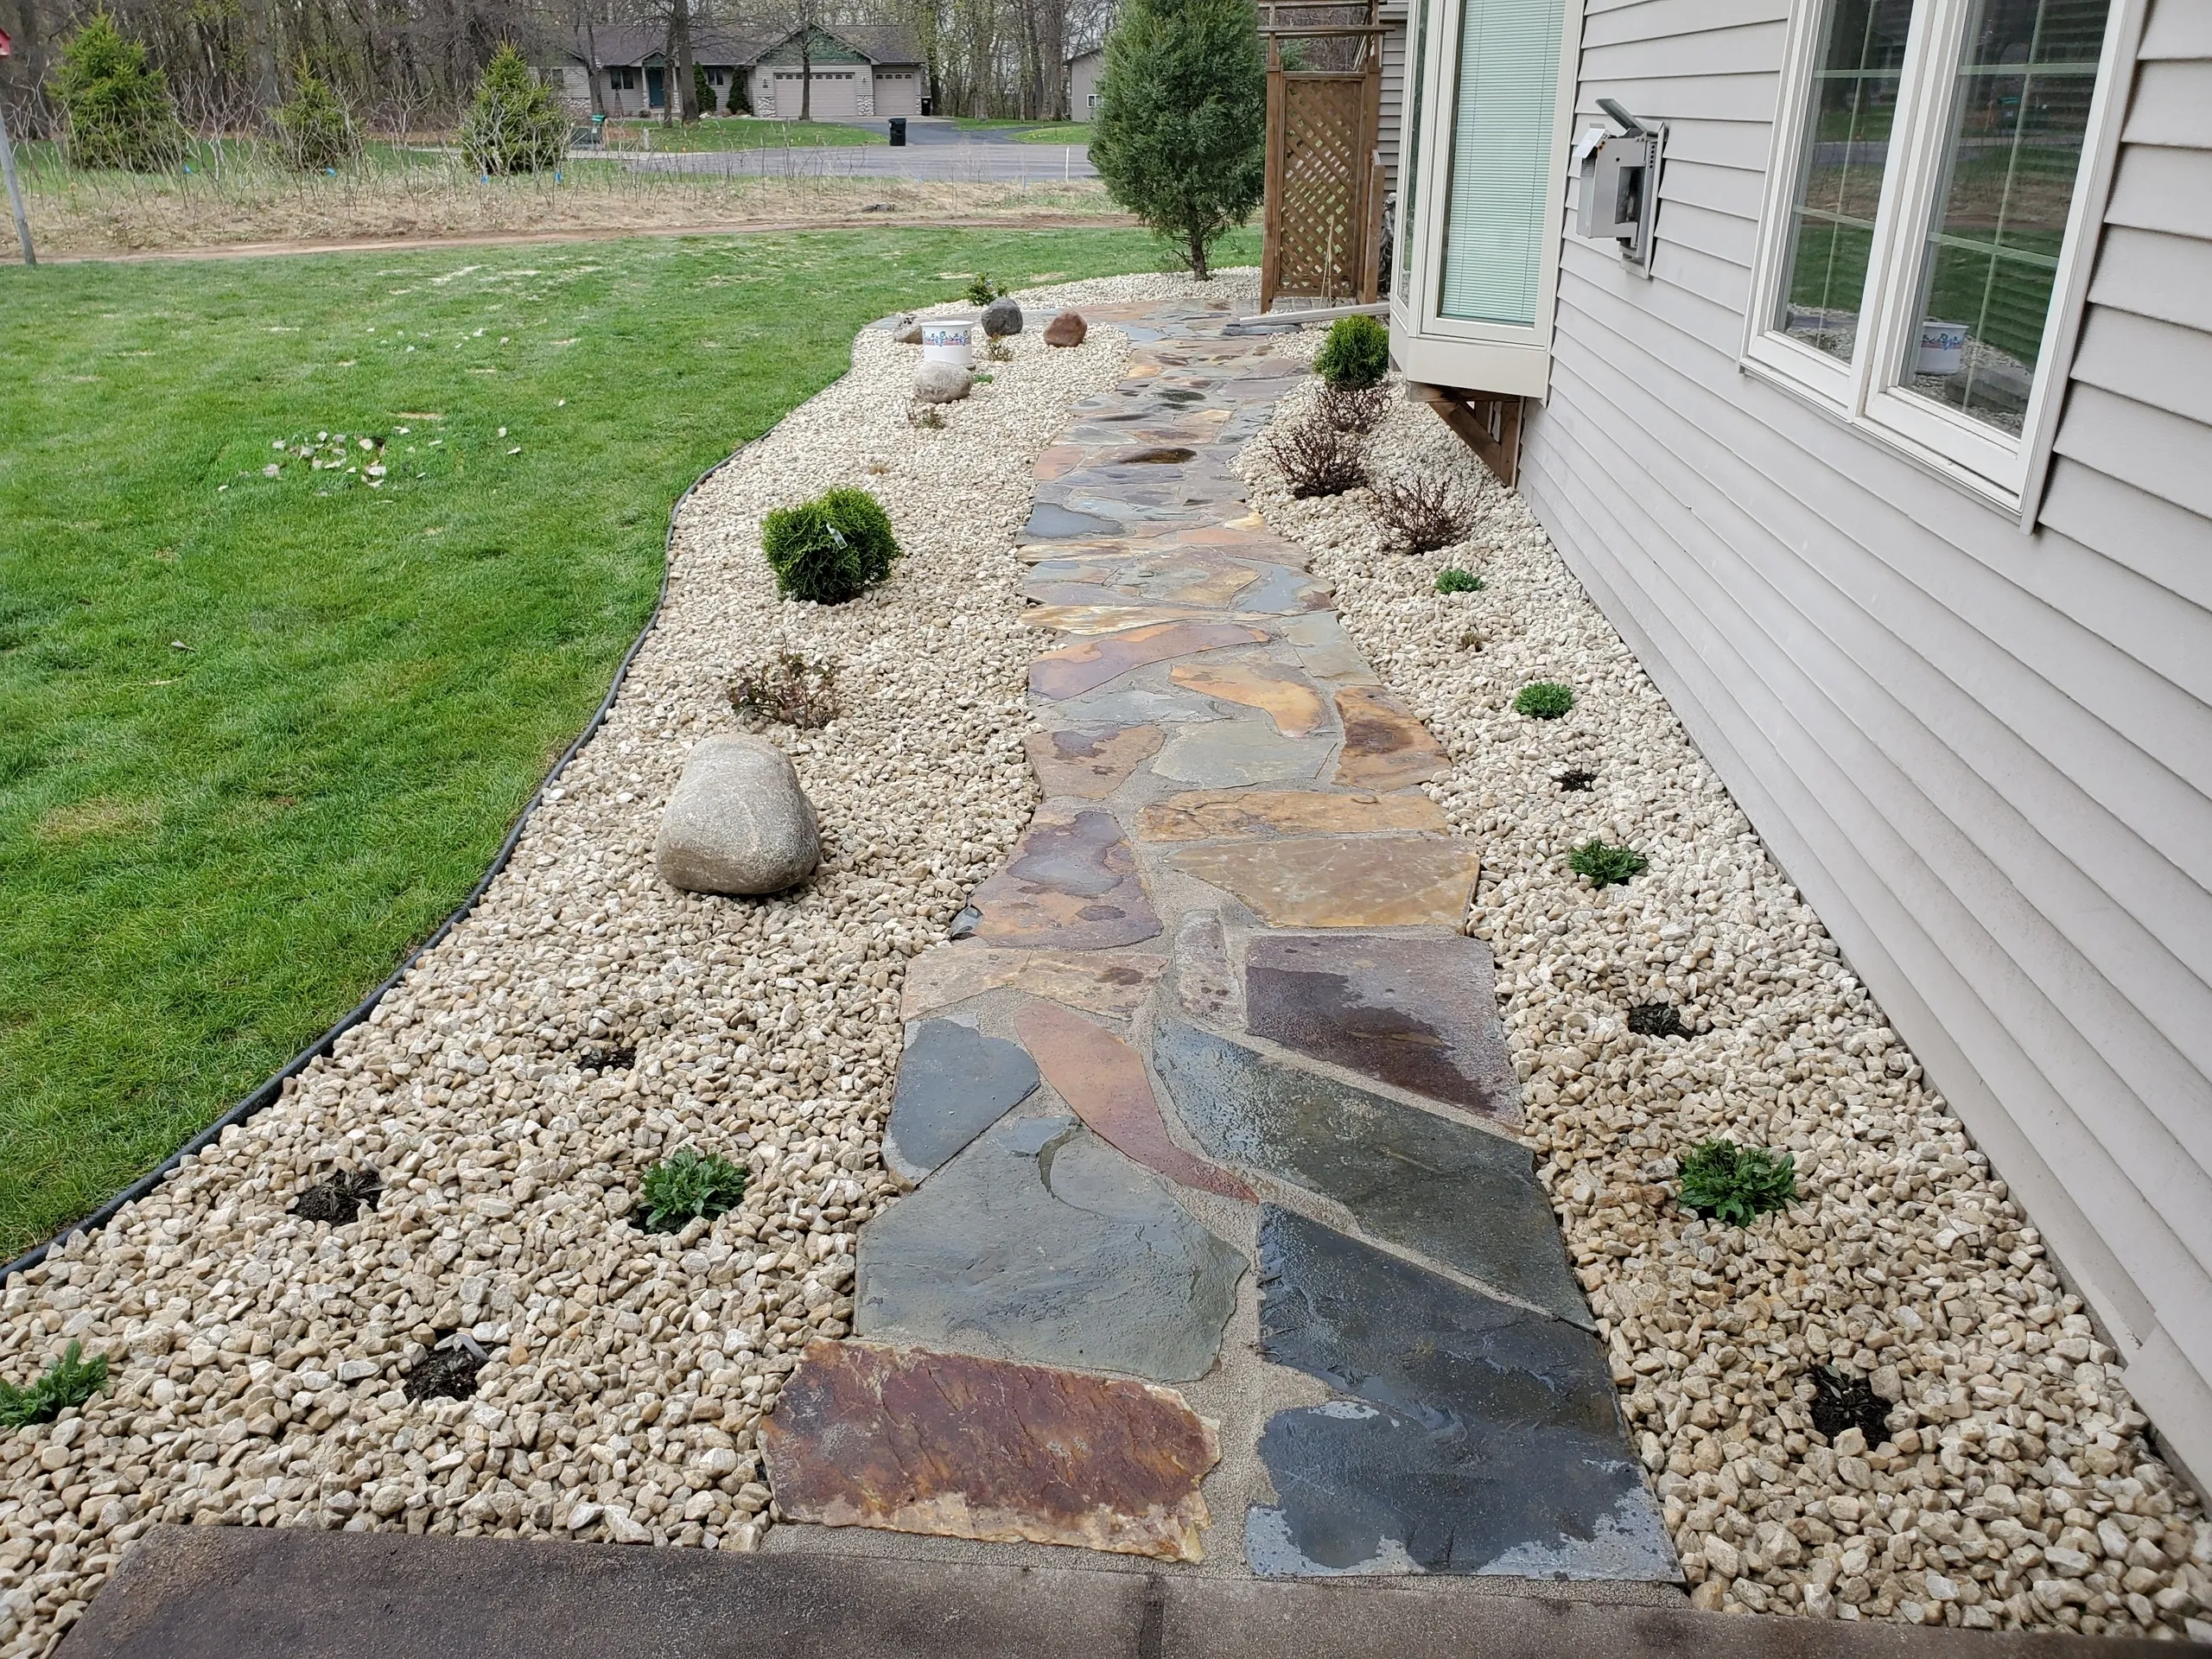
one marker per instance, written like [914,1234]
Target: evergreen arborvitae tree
[513,124]
[740,102]
[119,107]
[1181,125]
[315,129]
[702,92]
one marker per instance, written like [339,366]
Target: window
[1501,158]
[1091,102]
[1925,228]
[622,80]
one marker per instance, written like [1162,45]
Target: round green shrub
[1453,579]
[117,105]
[314,126]
[1545,700]
[828,549]
[1356,353]
[513,124]
[1605,864]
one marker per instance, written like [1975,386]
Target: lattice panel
[1322,209]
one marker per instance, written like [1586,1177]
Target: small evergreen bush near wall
[1453,579]
[686,1185]
[70,1381]
[1605,864]
[1356,353]
[117,105]
[702,92]
[1735,1185]
[1544,700]
[829,549]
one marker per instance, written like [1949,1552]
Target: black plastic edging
[271,1091]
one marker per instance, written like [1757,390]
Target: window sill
[1994,496]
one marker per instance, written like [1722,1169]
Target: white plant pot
[949,342]
[1943,348]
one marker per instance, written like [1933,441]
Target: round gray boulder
[1002,317]
[737,822]
[942,383]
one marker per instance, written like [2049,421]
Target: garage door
[836,94]
[898,92]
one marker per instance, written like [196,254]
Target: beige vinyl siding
[1985,756]
[1388,134]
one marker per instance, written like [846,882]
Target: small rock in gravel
[942,383]
[1066,329]
[738,821]
[911,335]
[1002,317]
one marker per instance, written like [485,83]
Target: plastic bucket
[949,342]
[1943,348]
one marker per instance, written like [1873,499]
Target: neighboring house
[1084,71]
[856,70]
[1896,471]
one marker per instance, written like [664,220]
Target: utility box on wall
[1618,193]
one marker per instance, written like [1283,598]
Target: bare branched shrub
[1352,408]
[1316,459]
[786,689]
[1422,512]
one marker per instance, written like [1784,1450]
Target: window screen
[1502,119]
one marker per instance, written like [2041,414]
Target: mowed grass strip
[258,735]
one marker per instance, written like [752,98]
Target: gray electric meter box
[1619,193]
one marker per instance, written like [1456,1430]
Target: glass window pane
[2013,151]
[1503,118]
[1845,148]
[1409,149]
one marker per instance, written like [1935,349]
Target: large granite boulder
[1002,317]
[1066,329]
[941,382]
[737,822]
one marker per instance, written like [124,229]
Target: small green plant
[687,1185]
[829,549]
[1543,700]
[513,124]
[70,1381]
[983,290]
[1605,864]
[316,132]
[1725,1182]
[787,689]
[117,105]
[1356,353]
[998,351]
[1453,579]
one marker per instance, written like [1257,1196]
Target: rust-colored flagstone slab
[1111,982]
[1074,670]
[1385,746]
[1089,765]
[1220,814]
[1368,881]
[911,1440]
[1279,693]
[1103,1079]
[1105,619]
[1073,882]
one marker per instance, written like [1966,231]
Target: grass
[1060,132]
[738,132]
[258,734]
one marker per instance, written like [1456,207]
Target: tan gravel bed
[2018,1487]
[584,1020]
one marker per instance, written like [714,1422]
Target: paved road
[936,150]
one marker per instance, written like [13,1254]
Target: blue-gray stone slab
[1039,1243]
[1229,753]
[1461,1197]
[1484,1438]
[954,1083]
[1049,522]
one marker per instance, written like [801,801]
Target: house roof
[625,44]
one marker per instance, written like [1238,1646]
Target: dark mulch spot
[1842,1401]
[608,1058]
[1655,1020]
[446,1373]
[341,1198]
[1575,778]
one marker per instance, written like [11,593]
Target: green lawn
[1059,132]
[258,735]
[739,132]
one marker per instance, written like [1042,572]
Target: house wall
[1084,75]
[1393,12]
[1984,755]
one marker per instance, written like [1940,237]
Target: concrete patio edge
[224,1592]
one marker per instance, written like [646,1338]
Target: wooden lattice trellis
[1323,224]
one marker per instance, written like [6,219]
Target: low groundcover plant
[688,1186]
[1735,1185]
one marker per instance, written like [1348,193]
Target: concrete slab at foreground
[230,1592]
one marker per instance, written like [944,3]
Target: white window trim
[1504,357]
[2005,472]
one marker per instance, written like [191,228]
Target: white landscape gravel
[583,1022]
[2018,1489]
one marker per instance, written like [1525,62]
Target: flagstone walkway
[1221,1244]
